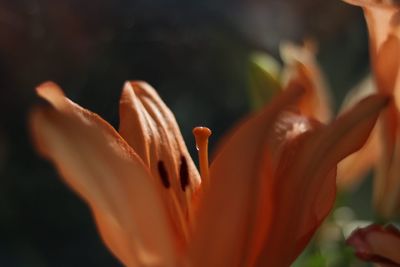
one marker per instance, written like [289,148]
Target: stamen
[201,135]
[184,173]
[163,174]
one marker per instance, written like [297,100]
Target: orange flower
[270,186]
[302,68]
[384,25]
[376,243]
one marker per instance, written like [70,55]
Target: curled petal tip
[140,86]
[49,86]
[51,92]
[142,89]
[138,83]
[127,88]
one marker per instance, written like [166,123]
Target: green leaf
[264,79]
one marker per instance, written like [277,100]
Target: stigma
[201,135]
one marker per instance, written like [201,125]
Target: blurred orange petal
[230,207]
[290,165]
[291,132]
[384,33]
[308,186]
[380,20]
[349,132]
[353,168]
[301,67]
[387,183]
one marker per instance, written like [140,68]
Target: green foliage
[264,79]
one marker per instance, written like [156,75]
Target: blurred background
[195,53]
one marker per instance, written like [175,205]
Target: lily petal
[305,180]
[380,20]
[354,167]
[387,183]
[104,170]
[292,132]
[301,67]
[229,205]
[384,32]
[151,129]
[376,243]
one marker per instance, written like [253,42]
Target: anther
[201,135]
[184,173]
[163,174]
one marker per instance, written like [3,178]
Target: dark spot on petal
[184,173]
[163,174]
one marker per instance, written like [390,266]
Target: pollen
[201,135]
[184,173]
[163,174]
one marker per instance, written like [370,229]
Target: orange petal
[305,185]
[386,181]
[151,129]
[101,167]
[376,243]
[384,30]
[353,168]
[384,34]
[228,214]
[386,65]
[284,192]
[349,132]
[52,93]
[301,67]
[380,20]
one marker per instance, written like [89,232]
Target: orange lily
[270,186]
[376,243]
[383,26]
[302,68]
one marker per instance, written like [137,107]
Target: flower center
[201,134]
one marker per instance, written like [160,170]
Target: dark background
[196,53]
